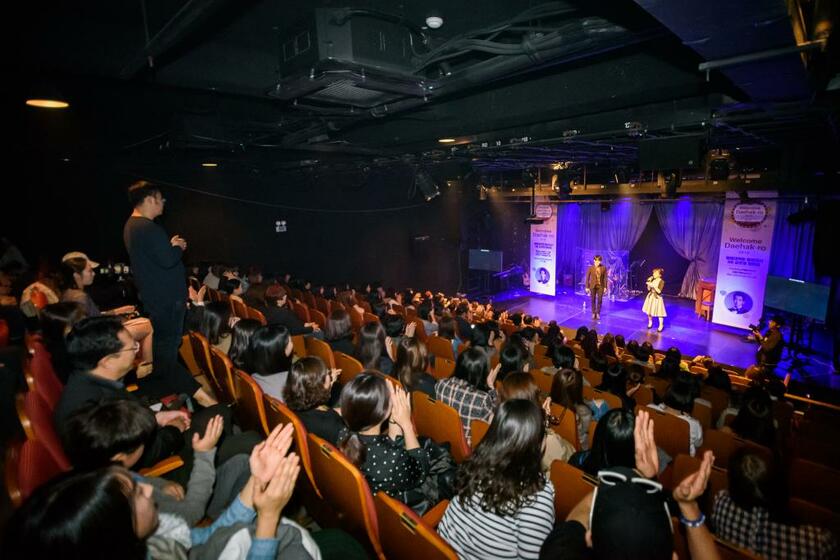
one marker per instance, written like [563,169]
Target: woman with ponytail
[389,455]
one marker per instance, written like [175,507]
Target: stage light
[47,103]
[719,164]
[434,20]
[209,164]
[446,140]
[426,184]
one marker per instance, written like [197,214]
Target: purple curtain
[693,229]
[616,229]
[792,253]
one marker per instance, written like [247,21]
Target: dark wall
[340,227]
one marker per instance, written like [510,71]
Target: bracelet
[693,523]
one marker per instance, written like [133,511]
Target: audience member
[307,393]
[374,348]
[270,357]
[470,388]
[411,365]
[339,332]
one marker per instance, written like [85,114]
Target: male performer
[770,352]
[596,285]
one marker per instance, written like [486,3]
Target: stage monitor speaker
[682,152]
[484,259]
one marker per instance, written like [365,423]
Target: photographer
[770,352]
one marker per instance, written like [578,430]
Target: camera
[753,327]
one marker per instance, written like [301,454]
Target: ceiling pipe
[763,55]
[175,30]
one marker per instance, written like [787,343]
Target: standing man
[596,285]
[772,343]
[161,280]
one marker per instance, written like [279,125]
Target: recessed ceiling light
[446,140]
[209,164]
[434,20]
[47,103]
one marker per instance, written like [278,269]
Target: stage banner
[744,260]
[544,250]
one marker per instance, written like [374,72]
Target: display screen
[485,259]
[797,296]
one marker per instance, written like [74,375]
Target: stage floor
[810,373]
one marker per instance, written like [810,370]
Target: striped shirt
[478,534]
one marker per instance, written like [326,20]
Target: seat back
[356,320]
[643,396]
[40,374]
[724,444]
[443,368]
[251,411]
[671,433]
[319,318]
[703,413]
[478,429]
[257,315]
[344,487]
[730,551]
[221,369]
[406,536]
[613,401]
[29,464]
[309,299]
[322,305]
[201,352]
[239,308]
[440,422]
[350,367]
[419,330]
[440,348]
[815,483]
[718,398]
[571,485]
[543,380]
[315,347]
[567,428]
[301,311]
[186,353]
[594,377]
[278,413]
[299,344]
[36,418]
[370,318]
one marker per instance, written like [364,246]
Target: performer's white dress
[654,304]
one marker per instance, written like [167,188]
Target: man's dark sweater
[84,388]
[157,267]
[284,316]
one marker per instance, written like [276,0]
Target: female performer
[654,305]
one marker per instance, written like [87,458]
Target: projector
[534,219]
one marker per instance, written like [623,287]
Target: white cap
[79,255]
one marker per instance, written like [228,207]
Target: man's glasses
[134,348]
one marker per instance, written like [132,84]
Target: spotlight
[719,165]
[434,20]
[426,184]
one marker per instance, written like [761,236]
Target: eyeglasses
[612,478]
[134,348]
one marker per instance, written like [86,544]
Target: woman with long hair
[307,393]
[379,437]
[411,365]
[339,332]
[372,348]
[504,507]
[470,388]
[521,385]
[590,343]
[567,391]
[215,325]
[241,335]
[448,329]
[57,320]
[270,358]
[613,444]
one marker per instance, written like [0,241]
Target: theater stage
[810,372]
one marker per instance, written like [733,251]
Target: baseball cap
[630,517]
[79,255]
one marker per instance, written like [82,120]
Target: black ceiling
[579,81]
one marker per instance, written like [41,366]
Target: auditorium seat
[595,378]
[478,429]
[671,433]
[345,489]
[301,311]
[404,535]
[185,351]
[318,318]
[315,347]
[567,428]
[685,465]
[571,485]
[613,401]
[250,412]
[350,367]
[40,374]
[221,369]
[543,380]
[815,483]
[322,305]
[724,444]
[201,353]
[257,315]
[239,308]
[299,344]
[443,368]
[441,423]
[440,348]
[278,413]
